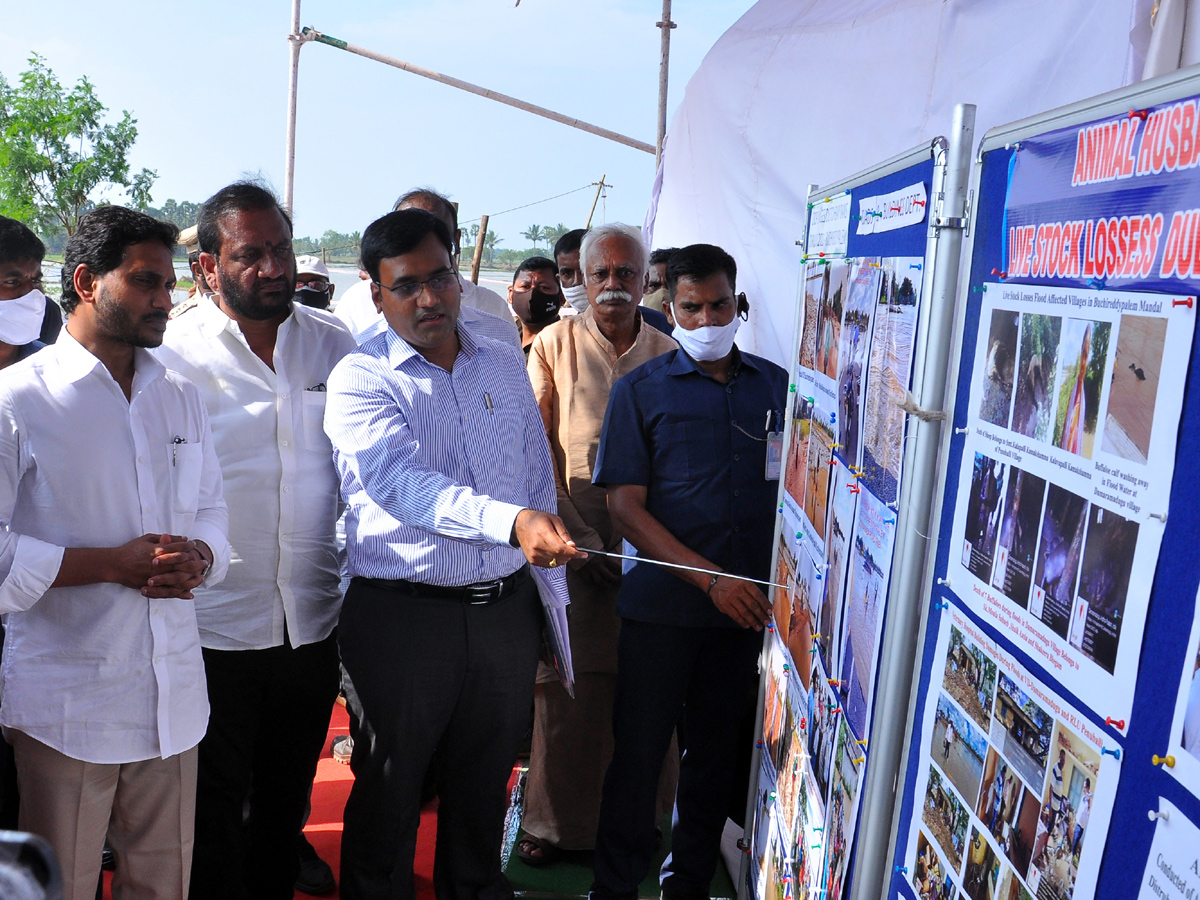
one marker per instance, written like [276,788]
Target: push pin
[893,505]
[900,870]
[835,446]
[786,668]
[799,535]
[854,489]
[1162,517]
[1096,283]
[832,462]
[859,760]
[873,265]
[812,650]
[942,605]
[771,796]
[916,266]
[861,743]
[1139,114]
[1153,814]
[1186,301]
[743,845]
[834,711]
[833,682]
[770,626]
[943,582]
[962,430]
[1115,753]
[803,723]
[1118,724]
[792,388]
[920,203]
[889,521]
[1168,761]
[978,287]
[758,744]
[1002,275]
[894,208]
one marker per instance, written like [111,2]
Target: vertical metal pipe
[664,67]
[289,166]
[878,818]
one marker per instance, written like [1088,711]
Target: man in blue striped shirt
[448,480]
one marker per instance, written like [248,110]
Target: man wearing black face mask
[535,297]
[313,287]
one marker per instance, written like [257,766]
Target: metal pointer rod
[659,562]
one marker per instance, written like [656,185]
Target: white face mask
[577,297]
[21,319]
[708,343]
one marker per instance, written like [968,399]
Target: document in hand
[555,602]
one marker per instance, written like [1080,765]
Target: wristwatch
[711,584]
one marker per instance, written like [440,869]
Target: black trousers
[708,676]
[431,680]
[270,714]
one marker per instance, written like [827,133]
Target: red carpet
[330,790]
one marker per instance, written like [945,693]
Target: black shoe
[315,875]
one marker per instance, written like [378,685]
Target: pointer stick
[657,562]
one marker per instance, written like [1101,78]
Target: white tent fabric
[811,92]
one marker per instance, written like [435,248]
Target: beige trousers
[146,809]
[572,747]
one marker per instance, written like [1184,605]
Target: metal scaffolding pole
[289,167]
[665,25]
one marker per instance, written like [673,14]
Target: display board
[865,283]
[1056,695]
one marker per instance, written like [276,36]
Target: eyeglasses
[411,290]
[324,287]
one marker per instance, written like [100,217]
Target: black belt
[482,594]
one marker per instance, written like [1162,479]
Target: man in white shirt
[261,362]
[356,307]
[111,514]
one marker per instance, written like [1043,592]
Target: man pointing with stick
[683,455]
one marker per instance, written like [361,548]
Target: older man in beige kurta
[573,367]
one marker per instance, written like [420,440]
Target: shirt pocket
[690,451]
[312,422]
[187,463]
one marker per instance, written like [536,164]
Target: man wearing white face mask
[683,455]
[23,306]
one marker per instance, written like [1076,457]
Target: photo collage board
[842,466]
[1056,692]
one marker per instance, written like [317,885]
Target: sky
[207,84]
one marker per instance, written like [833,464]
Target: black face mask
[315,299]
[535,307]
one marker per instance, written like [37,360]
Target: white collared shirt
[100,672]
[280,482]
[357,310]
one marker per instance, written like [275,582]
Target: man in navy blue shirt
[683,454]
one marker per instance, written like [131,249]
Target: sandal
[533,851]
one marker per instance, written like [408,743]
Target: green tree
[489,246]
[533,234]
[551,234]
[55,155]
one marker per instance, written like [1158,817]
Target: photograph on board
[857,318]
[1082,373]
[790,776]
[841,528]
[998,362]
[1191,719]
[796,462]
[778,881]
[781,749]
[970,677]
[1133,391]
[981,876]
[806,859]
[946,818]
[829,316]
[930,877]
[816,286]
[982,525]
[1033,408]
[810,590]
[1067,803]
[958,748]
[1099,607]
[1018,543]
[823,715]
[799,636]
[1008,810]
[816,488]
[781,596]
[843,800]
[1059,552]
[889,374]
[1011,887]
[774,714]
[869,569]
[1021,729]
[764,812]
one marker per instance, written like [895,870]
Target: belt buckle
[484,594]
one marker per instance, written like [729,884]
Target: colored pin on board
[1153,814]
[1001,275]
[916,265]
[786,668]
[900,870]
[1115,753]
[861,743]
[834,682]
[803,723]
[889,521]
[1168,761]
[1187,301]
[859,760]
[1139,114]
[1096,283]
[854,489]
[943,605]
[1118,724]
[918,203]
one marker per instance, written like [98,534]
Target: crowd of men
[181,614]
